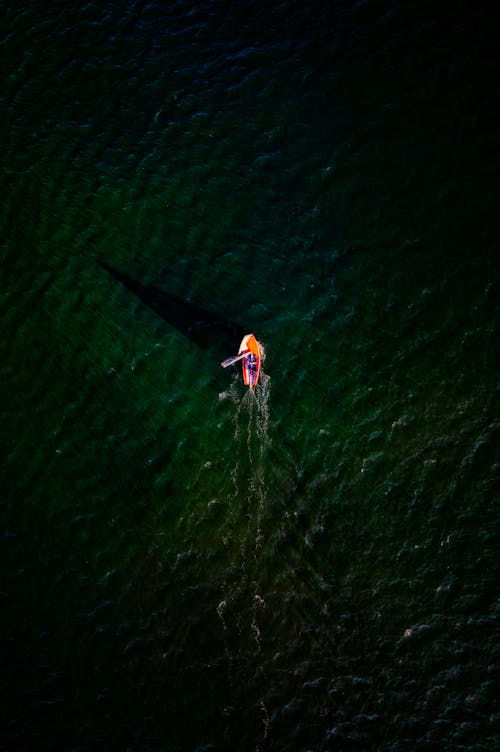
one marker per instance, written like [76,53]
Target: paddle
[235,359]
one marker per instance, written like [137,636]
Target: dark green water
[186,565]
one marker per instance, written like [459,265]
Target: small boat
[251,363]
[249,354]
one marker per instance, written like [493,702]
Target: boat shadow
[205,328]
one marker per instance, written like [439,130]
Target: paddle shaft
[235,359]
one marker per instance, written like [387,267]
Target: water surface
[188,565]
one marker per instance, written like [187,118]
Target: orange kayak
[250,363]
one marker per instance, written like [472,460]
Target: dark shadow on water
[203,327]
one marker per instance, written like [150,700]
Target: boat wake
[242,602]
[251,440]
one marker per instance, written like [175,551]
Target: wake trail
[251,421]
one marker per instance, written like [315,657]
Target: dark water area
[186,564]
